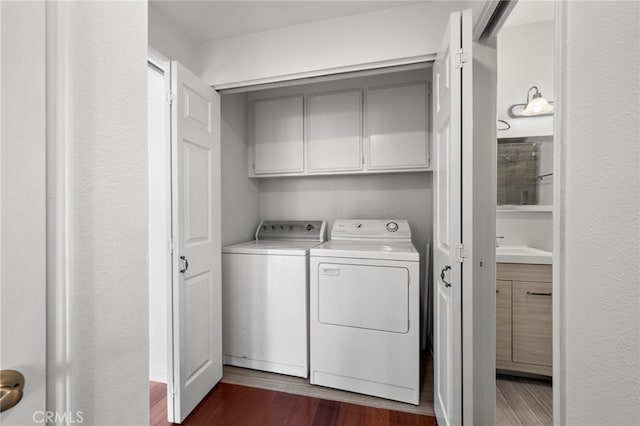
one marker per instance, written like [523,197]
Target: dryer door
[364,296]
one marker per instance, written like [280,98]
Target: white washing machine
[265,297]
[364,313]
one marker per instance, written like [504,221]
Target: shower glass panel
[525,171]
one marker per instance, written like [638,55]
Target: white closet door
[278,135]
[335,131]
[197,271]
[397,122]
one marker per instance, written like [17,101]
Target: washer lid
[380,250]
[287,248]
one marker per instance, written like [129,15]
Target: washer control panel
[300,230]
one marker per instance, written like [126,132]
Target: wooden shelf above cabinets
[375,124]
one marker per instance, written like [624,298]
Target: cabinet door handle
[533,293]
[497,291]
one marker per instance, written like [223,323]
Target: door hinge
[172,246]
[170,97]
[461,253]
[171,391]
[461,58]
[363,160]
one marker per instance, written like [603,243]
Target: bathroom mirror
[525,171]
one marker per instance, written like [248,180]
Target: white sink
[522,254]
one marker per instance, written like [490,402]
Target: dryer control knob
[392,227]
[309,227]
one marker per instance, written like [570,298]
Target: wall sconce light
[535,106]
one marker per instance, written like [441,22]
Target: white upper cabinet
[374,123]
[278,135]
[334,131]
[397,124]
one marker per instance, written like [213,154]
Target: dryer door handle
[330,271]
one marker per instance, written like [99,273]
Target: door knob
[11,385]
[444,270]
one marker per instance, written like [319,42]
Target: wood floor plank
[402,419]
[523,400]
[351,414]
[235,405]
[304,410]
[504,413]
[280,410]
[326,413]
[376,416]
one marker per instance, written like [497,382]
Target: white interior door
[196,291]
[447,82]
[23,209]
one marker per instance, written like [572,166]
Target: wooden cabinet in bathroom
[524,318]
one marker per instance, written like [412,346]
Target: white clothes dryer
[364,313]
[265,297]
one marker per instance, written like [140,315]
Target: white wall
[355,42]
[159,222]
[240,195]
[169,40]
[598,357]
[533,229]
[525,59]
[99,349]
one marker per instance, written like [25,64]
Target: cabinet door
[278,135]
[532,315]
[503,320]
[335,131]
[397,124]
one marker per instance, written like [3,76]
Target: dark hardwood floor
[231,405]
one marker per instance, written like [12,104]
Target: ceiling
[210,20]
[530,12]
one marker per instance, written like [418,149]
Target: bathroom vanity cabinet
[524,318]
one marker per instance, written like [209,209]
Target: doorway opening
[524,217]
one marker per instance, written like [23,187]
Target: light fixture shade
[537,106]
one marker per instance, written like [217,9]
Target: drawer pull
[533,293]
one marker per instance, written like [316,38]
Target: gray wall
[240,196]
[384,196]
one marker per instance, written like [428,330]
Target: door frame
[60,228]
[162,63]
[559,157]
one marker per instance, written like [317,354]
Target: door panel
[23,205]
[278,135]
[335,131]
[503,320]
[447,228]
[197,193]
[397,126]
[196,292]
[362,296]
[532,319]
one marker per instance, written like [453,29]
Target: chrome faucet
[497,238]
